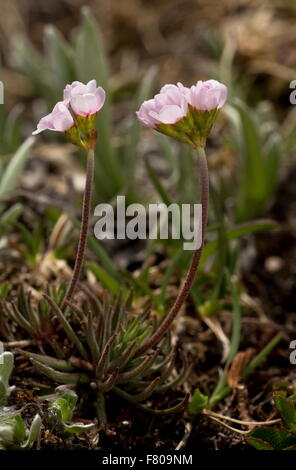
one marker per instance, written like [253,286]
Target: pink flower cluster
[84,100]
[185,114]
[171,104]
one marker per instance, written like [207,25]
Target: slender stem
[184,291]
[83,230]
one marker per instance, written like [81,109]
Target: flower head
[167,107]
[186,114]
[207,96]
[75,116]
[60,120]
[86,99]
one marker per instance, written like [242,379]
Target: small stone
[273,264]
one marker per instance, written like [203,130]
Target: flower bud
[79,126]
[86,99]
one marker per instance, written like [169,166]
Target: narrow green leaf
[60,377]
[55,363]
[131,149]
[67,327]
[157,183]
[102,276]
[13,170]
[272,165]
[238,232]
[261,356]
[9,217]
[60,59]
[290,141]
[235,340]
[32,64]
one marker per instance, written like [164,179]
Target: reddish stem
[185,290]
[83,230]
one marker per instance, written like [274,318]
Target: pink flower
[84,99]
[185,114]
[168,107]
[60,120]
[206,96]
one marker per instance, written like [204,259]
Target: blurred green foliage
[84,59]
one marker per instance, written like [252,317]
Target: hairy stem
[83,230]
[185,289]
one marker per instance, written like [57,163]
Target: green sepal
[73,135]
[87,129]
[193,129]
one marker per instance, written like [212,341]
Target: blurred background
[184,38]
